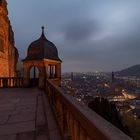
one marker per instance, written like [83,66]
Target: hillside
[131,71]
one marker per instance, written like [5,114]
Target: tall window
[1,45]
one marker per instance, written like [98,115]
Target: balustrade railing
[7,82]
[77,122]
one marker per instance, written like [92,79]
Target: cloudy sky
[90,35]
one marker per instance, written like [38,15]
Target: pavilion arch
[34,72]
[34,76]
[48,69]
[27,65]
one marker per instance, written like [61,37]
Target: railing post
[76,130]
[12,83]
[82,134]
[6,82]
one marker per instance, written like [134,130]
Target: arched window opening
[34,76]
[52,71]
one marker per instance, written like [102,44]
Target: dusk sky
[90,35]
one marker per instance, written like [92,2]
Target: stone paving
[22,115]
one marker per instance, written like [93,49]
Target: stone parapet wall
[78,122]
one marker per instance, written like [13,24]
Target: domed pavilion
[43,55]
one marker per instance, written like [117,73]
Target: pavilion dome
[42,48]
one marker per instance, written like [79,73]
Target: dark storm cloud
[80,30]
[89,34]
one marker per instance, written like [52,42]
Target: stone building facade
[8,52]
[43,55]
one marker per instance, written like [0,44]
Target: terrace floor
[25,114]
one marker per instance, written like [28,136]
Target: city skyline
[89,35]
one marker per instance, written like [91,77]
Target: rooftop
[42,48]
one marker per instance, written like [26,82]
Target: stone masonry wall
[8,53]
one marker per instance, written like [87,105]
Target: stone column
[46,69]
[58,70]
[52,68]
[55,71]
[59,74]
[25,78]
[42,75]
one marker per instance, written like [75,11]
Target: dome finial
[43,29]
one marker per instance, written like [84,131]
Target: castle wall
[8,53]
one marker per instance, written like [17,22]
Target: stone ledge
[94,125]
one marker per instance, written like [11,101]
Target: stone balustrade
[77,122]
[7,82]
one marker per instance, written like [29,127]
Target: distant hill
[131,71]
